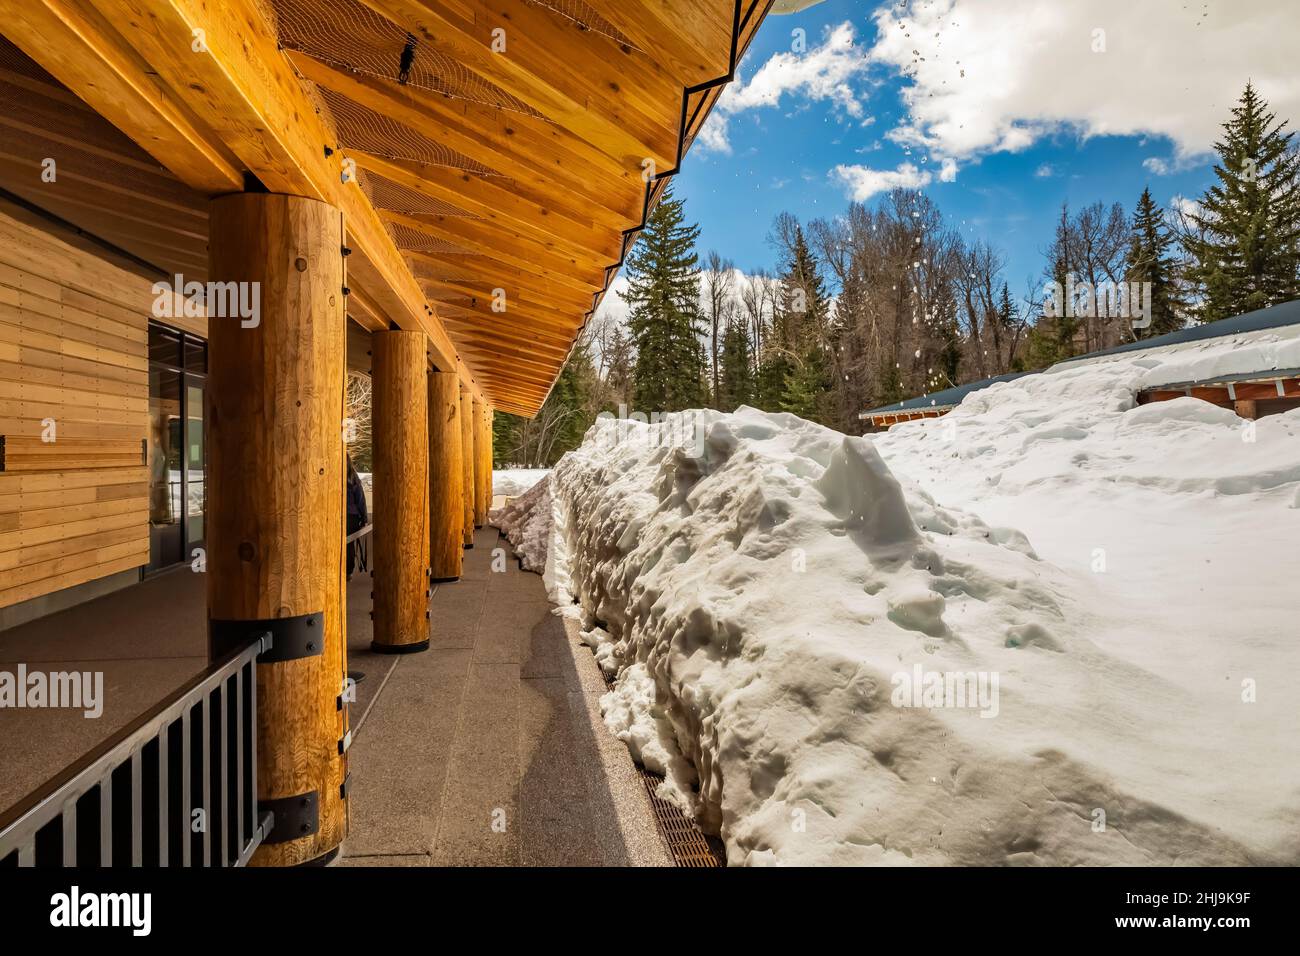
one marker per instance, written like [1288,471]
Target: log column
[467,467]
[480,500]
[487,456]
[399,428]
[469,441]
[446,475]
[275,503]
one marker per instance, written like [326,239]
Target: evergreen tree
[1246,256]
[1149,260]
[1006,310]
[620,363]
[797,378]
[807,386]
[769,386]
[558,426]
[665,321]
[736,372]
[1051,340]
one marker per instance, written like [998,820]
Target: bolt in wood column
[446,473]
[399,430]
[275,498]
[480,501]
[468,493]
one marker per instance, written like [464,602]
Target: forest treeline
[889,301]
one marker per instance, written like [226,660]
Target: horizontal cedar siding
[74,348]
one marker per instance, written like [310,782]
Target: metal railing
[176,787]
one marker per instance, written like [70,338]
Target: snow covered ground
[1049,627]
[515,481]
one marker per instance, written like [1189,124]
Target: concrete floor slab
[487,749]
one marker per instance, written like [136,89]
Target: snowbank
[526,522]
[512,482]
[842,651]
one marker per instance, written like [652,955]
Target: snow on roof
[1261,320]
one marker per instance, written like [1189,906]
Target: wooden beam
[598,103]
[688,37]
[506,344]
[400,432]
[540,158]
[80,47]
[517,251]
[478,296]
[488,273]
[246,90]
[504,201]
[484,354]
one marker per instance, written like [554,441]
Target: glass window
[196,355]
[164,346]
[164,467]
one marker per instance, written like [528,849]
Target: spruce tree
[769,386]
[1246,256]
[1149,260]
[798,380]
[805,305]
[665,321]
[736,372]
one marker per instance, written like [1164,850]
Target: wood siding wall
[73,348]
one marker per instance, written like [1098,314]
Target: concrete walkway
[488,748]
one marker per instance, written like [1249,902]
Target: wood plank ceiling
[494,159]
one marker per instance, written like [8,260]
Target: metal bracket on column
[345,786]
[292,638]
[294,817]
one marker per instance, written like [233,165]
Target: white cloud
[864,182]
[1000,74]
[712,137]
[822,73]
[1156,166]
[1044,171]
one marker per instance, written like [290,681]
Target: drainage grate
[689,845]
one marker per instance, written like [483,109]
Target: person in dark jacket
[358,516]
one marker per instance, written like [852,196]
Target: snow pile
[511,482]
[833,662]
[1179,518]
[526,523]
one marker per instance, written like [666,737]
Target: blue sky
[1000,110]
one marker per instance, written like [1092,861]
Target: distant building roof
[1288,313]
[945,399]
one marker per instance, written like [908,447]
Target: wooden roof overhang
[482,151]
